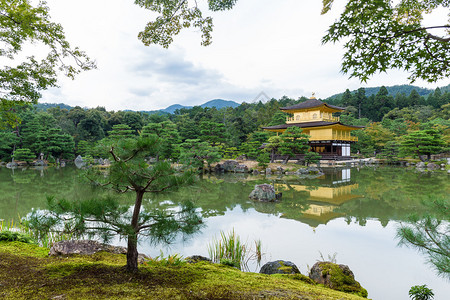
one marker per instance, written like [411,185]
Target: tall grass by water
[19,231]
[228,249]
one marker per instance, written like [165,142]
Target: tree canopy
[379,35]
[23,24]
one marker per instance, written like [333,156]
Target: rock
[421,165]
[106,162]
[279,267]
[241,169]
[218,168]
[100,161]
[256,172]
[79,162]
[197,258]
[337,277]
[268,171]
[229,165]
[12,165]
[40,162]
[280,169]
[241,157]
[87,247]
[432,166]
[263,192]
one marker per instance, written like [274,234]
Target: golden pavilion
[328,136]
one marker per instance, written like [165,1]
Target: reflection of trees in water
[393,193]
[388,193]
[22,190]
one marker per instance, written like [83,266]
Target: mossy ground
[26,272]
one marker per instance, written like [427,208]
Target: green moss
[341,281]
[103,276]
[24,249]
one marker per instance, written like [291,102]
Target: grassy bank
[27,272]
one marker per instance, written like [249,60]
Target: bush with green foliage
[421,292]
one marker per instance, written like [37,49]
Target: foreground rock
[87,247]
[264,192]
[336,277]
[279,267]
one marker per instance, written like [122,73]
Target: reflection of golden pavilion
[323,200]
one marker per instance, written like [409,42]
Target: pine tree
[293,142]
[107,217]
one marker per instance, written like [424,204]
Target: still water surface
[351,212]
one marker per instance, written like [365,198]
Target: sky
[260,46]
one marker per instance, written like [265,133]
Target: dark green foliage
[380,36]
[422,142]
[293,142]
[312,158]
[429,234]
[120,131]
[169,138]
[391,151]
[24,154]
[195,153]
[263,159]
[421,292]
[12,236]
[7,142]
[22,24]
[107,218]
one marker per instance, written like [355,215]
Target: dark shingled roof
[310,104]
[309,124]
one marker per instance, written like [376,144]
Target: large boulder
[432,166]
[79,162]
[196,259]
[87,247]
[337,277]
[279,267]
[229,165]
[421,165]
[263,192]
[241,169]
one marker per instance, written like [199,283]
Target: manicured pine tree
[422,142]
[294,141]
[108,218]
[23,154]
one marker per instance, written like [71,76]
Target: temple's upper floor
[312,110]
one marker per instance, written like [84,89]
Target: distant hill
[394,90]
[220,103]
[45,106]
[217,103]
[171,109]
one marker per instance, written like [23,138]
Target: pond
[353,213]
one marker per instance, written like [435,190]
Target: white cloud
[261,45]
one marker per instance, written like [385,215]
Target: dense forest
[392,125]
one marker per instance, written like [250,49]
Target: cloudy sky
[260,46]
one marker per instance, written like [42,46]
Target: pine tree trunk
[132,253]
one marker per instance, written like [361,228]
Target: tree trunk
[132,253]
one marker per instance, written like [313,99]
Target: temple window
[314,116]
[297,118]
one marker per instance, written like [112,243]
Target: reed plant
[19,231]
[230,250]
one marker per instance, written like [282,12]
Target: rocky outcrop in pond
[264,192]
[337,277]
